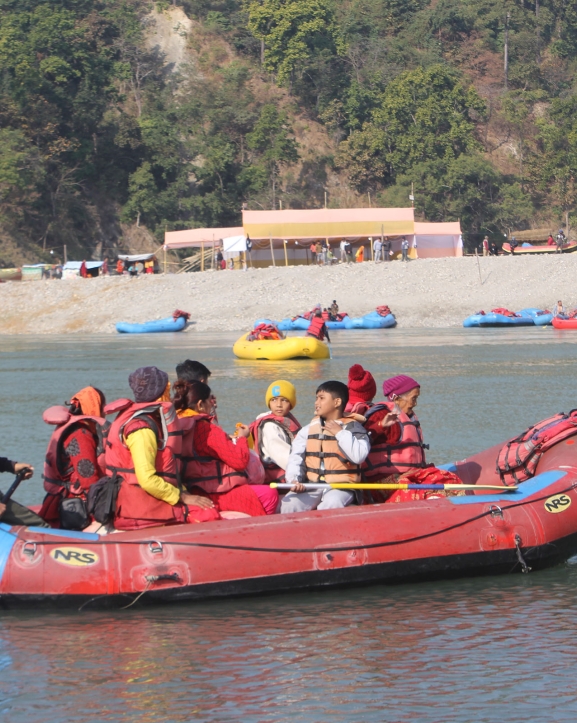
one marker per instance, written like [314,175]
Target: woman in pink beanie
[397,446]
[362,390]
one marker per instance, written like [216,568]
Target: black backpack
[101,502]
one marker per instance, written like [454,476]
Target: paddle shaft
[398,486]
[13,487]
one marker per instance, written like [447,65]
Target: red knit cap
[362,385]
[398,385]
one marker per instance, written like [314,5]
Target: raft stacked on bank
[503,317]
[176,322]
[373,320]
[534,527]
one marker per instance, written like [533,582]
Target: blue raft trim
[7,541]
[526,489]
[70,534]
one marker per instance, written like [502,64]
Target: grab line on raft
[389,543]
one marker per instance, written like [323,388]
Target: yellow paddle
[396,486]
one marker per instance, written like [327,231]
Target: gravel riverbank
[426,292]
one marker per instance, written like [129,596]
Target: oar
[397,486]
[14,486]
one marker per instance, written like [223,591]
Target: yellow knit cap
[281,388]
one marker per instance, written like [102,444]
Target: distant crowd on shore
[381,250]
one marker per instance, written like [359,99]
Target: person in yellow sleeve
[143,445]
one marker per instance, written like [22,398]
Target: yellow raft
[293,347]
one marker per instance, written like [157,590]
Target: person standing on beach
[378,249]
[486,246]
[405,249]
[343,247]
[560,241]
[387,250]
[313,250]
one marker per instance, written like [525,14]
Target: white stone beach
[421,293]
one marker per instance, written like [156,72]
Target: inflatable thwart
[504,317]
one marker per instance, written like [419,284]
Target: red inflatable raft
[532,528]
[564,323]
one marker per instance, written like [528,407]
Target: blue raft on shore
[525,317]
[372,320]
[153,327]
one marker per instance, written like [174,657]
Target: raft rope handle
[374,545]
[524,567]
[150,580]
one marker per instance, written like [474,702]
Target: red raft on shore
[564,323]
[532,528]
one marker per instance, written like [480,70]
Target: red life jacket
[135,508]
[209,473]
[316,328]
[518,458]
[383,310]
[385,459]
[289,426]
[56,477]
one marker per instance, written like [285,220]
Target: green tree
[273,144]
[293,31]
[424,114]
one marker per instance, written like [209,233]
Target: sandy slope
[435,292]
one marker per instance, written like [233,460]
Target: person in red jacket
[213,464]
[318,328]
[72,463]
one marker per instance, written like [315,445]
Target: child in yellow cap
[273,431]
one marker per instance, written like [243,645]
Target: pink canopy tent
[196,237]
[438,239]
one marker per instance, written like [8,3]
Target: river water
[488,649]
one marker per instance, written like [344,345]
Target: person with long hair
[213,464]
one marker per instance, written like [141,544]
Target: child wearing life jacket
[273,432]
[215,466]
[362,389]
[329,449]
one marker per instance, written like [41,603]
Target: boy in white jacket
[329,449]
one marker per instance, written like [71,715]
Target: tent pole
[202,255]
[272,251]
[285,254]
[212,267]
[372,249]
[164,259]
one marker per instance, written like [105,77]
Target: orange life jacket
[55,476]
[409,452]
[324,460]
[316,328]
[135,508]
[289,426]
[208,473]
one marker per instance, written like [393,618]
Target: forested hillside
[121,115]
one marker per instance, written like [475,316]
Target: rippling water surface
[488,649]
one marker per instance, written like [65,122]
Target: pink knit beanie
[395,386]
